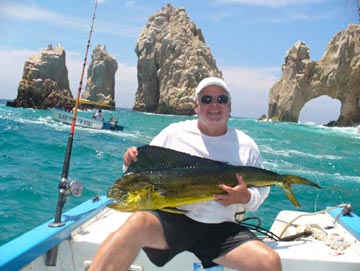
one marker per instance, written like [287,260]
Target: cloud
[24,12]
[27,12]
[250,78]
[125,80]
[125,85]
[249,85]
[33,13]
[249,88]
[11,66]
[271,3]
[130,3]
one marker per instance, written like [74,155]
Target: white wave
[337,130]
[292,153]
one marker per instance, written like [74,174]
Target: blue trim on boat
[27,247]
[350,222]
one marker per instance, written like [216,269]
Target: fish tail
[287,180]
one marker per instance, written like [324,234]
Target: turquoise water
[32,149]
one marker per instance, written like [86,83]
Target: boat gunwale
[20,251]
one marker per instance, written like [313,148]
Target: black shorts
[206,241]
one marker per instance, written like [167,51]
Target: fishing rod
[64,189]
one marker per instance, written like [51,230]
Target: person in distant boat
[98,116]
[208,229]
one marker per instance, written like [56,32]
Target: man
[98,116]
[208,229]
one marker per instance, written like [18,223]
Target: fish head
[135,198]
[126,202]
[124,199]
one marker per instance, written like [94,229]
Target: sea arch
[321,110]
[336,74]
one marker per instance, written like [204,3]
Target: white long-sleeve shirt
[234,147]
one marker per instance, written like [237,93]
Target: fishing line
[63,187]
[316,200]
[66,165]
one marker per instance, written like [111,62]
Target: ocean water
[32,150]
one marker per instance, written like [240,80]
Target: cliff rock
[100,85]
[44,82]
[336,75]
[172,60]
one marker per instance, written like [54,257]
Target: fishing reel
[76,188]
[65,189]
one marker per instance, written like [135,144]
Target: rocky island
[336,74]
[44,82]
[172,59]
[100,85]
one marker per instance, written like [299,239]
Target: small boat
[322,241]
[66,117]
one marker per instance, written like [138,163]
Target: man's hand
[130,156]
[237,194]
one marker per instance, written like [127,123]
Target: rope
[346,208]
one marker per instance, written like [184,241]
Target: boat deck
[332,246]
[303,254]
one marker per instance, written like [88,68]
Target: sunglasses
[221,99]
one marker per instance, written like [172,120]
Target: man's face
[212,108]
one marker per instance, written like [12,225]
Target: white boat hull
[67,118]
[90,223]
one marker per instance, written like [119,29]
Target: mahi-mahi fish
[165,179]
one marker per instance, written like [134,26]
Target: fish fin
[288,180]
[286,186]
[299,180]
[159,158]
[174,210]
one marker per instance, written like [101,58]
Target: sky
[247,38]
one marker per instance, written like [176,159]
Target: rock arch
[327,110]
[336,75]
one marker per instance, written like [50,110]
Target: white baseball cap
[210,81]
